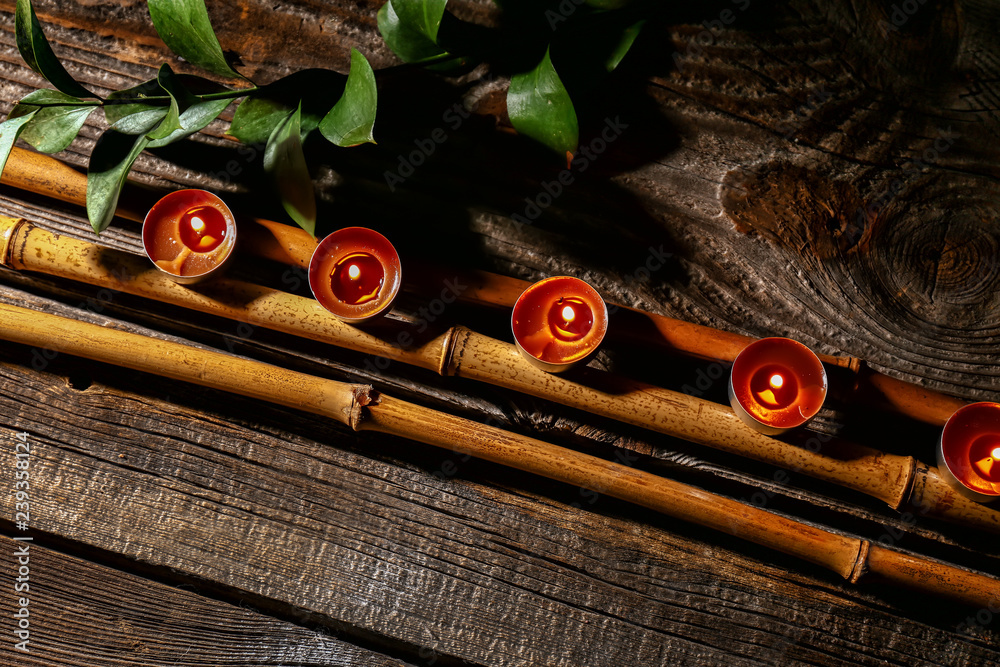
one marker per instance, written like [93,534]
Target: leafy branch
[554,52]
[171,107]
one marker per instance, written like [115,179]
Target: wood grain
[362,408]
[83,613]
[461,352]
[364,543]
[825,120]
[799,90]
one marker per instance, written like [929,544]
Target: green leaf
[140,122]
[352,119]
[137,110]
[37,53]
[184,26]
[9,131]
[314,90]
[286,163]
[422,15]
[256,118]
[195,112]
[406,39]
[540,108]
[172,119]
[193,119]
[625,43]
[110,162]
[57,120]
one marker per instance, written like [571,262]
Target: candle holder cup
[189,235]
[559,322]
[968,451]
[777,384]
[355,274]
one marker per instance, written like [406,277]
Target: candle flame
[777,381]
[197,224]
[995,453]
[354,272]
[569,314]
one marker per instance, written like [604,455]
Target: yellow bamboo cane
[459,351]
[361,408]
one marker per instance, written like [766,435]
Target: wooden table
[176,525]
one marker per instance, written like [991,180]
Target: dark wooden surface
[174,525]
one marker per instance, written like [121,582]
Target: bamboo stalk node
[906,487]
[362,395]
[8,231]
[861,562]
[456,339]
[362,408]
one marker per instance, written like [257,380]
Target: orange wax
[559,322]
[355,274]
[202,229]
[189,234]
[357,278]
[778,382]
[970,447]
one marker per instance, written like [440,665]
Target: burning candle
[777,384]
[355,274]
[969,451]
[189,234]
[559,322]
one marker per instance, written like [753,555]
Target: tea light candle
[189,234]
[969,451]
[559,322]
[355,274]
[777,384]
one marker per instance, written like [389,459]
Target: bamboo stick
[41,174]
[459,351]
[361,408]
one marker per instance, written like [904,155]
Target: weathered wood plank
[82,613]
[747,163]
[279,506]
[753,481]
[803,108]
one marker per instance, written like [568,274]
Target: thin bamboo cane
[41,174]
[459,351]
[361,408]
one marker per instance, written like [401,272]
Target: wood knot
[933,257]
[796,208]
